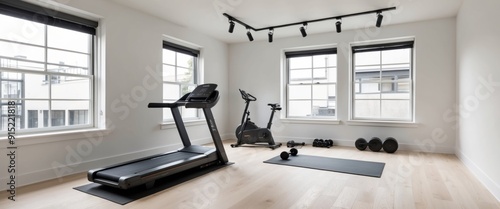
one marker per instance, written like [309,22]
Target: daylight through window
[383,82]
[46,68]
[180,76]
[312,83]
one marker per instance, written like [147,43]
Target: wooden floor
[410,180]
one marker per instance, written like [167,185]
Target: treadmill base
[123,197]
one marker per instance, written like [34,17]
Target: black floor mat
[364,168]
[125,196]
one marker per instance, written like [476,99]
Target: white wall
[131,44]
[255,67]
[478,86]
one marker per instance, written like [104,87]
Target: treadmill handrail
[162,105]
[179,103]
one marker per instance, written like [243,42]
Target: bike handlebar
[247,96]
[274,106]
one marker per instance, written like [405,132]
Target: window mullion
[312,86]
[49,113]
[380,84]
[411,91]
[91,113]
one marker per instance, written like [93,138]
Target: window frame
[379,46]
[52,18]
[195,52]
[308,52]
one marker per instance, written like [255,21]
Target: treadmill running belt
[139,166]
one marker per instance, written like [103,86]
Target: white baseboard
[491,185]
[350,143]
[227,136]
[23,179]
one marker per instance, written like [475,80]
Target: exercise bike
[249,133]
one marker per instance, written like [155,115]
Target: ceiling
[205,16]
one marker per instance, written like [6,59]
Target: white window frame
[185,48]
[392,122]
[285,117]
[92,72]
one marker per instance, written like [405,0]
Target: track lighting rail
[378,11]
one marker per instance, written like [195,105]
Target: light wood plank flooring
[410,180]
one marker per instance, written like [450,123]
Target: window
[78,117]
[383,80]
[45,118]
[58,117]
[180,76]
[46,65]
[312,83]
[32,118]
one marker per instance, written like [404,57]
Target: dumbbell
[315,142]
[285,155]
[323,143]
[330,142]
[375,144]
[293,144]
[361,144]
[390,144]
[320,143]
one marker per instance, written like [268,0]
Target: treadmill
[145,171]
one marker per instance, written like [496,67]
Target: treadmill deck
[115,173]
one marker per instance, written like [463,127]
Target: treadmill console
[203,96]
[202,92]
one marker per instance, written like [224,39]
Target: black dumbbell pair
[285,155]
[293,143]
[390,144]
[323,143]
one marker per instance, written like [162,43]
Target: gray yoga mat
[357,167]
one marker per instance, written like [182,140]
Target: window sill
[311,121]
[171,124]
[41,138]
[382,123]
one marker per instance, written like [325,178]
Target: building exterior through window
[49,72]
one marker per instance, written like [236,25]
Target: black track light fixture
[270,35]
[231,26]
[379,19]
[250,37]
[338,25]
[303,29]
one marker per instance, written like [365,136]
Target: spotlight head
[303,30]
[379,19]
[231,26]
[338,25]
[250,37]
[270,35]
